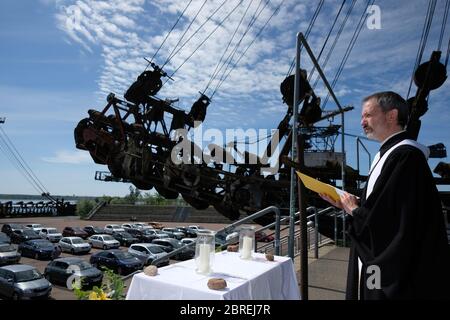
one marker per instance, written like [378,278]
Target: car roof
[147,245]
[38,241]
[18,267]
[71,238]
[69,260]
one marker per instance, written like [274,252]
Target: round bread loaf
[233,248]
[217,283]
[151,271]
[270,257]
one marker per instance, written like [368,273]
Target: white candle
[247,248]
[203,259]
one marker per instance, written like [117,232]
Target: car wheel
[72,251]
[105,247]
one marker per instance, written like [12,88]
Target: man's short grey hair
[388,100]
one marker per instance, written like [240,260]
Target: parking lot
[62,293]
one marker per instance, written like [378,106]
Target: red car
[261,236]
[75,232]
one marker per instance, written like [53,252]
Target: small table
[257,279]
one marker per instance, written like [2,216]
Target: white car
[103,241]
[74,245]
[36,227]
[111,228]
[51,234]
[147,252]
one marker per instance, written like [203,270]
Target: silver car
[20,281]
[173,233]
[51,234]
[103,241]
[74,245]
[8,254]
[147,252]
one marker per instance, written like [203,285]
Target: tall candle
[247,248]
[203,259]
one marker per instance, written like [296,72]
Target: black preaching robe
[400,228]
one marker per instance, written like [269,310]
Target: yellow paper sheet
[320,187]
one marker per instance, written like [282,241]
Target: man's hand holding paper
[336,197]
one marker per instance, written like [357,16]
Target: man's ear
[393,116]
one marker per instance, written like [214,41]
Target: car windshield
[28,275]
[126,235]
[156,250]
[77,241]
[7,248]
[29,233]
[84,265]
[108,238]
[123,255]
[43,244]
[52,231]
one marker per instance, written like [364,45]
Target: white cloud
[69,157]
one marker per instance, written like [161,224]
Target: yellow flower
[103,296]
[93,296]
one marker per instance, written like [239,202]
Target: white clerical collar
[384,141]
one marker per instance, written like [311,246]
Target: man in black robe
[399,247]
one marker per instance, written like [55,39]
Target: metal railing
[318,240]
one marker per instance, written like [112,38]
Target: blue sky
[60,58]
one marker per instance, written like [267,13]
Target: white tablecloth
[246,280]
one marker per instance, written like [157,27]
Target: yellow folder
[320,187]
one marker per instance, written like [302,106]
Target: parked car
[190,233]
[156,225]
[36,227]
[51,234]
[111,228]
[74,245]
[124,238]
[173,233]
[103,241]
[38,249]
[21,281]
[8,228]
[4,238]
[147,252]
[193,229]
[21,235]
[119,261]
[75,232]
[59,270]
[263,237]
[148,235]
[186,241]
[136,225]
[8,254]
[170,244]
[91,230]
